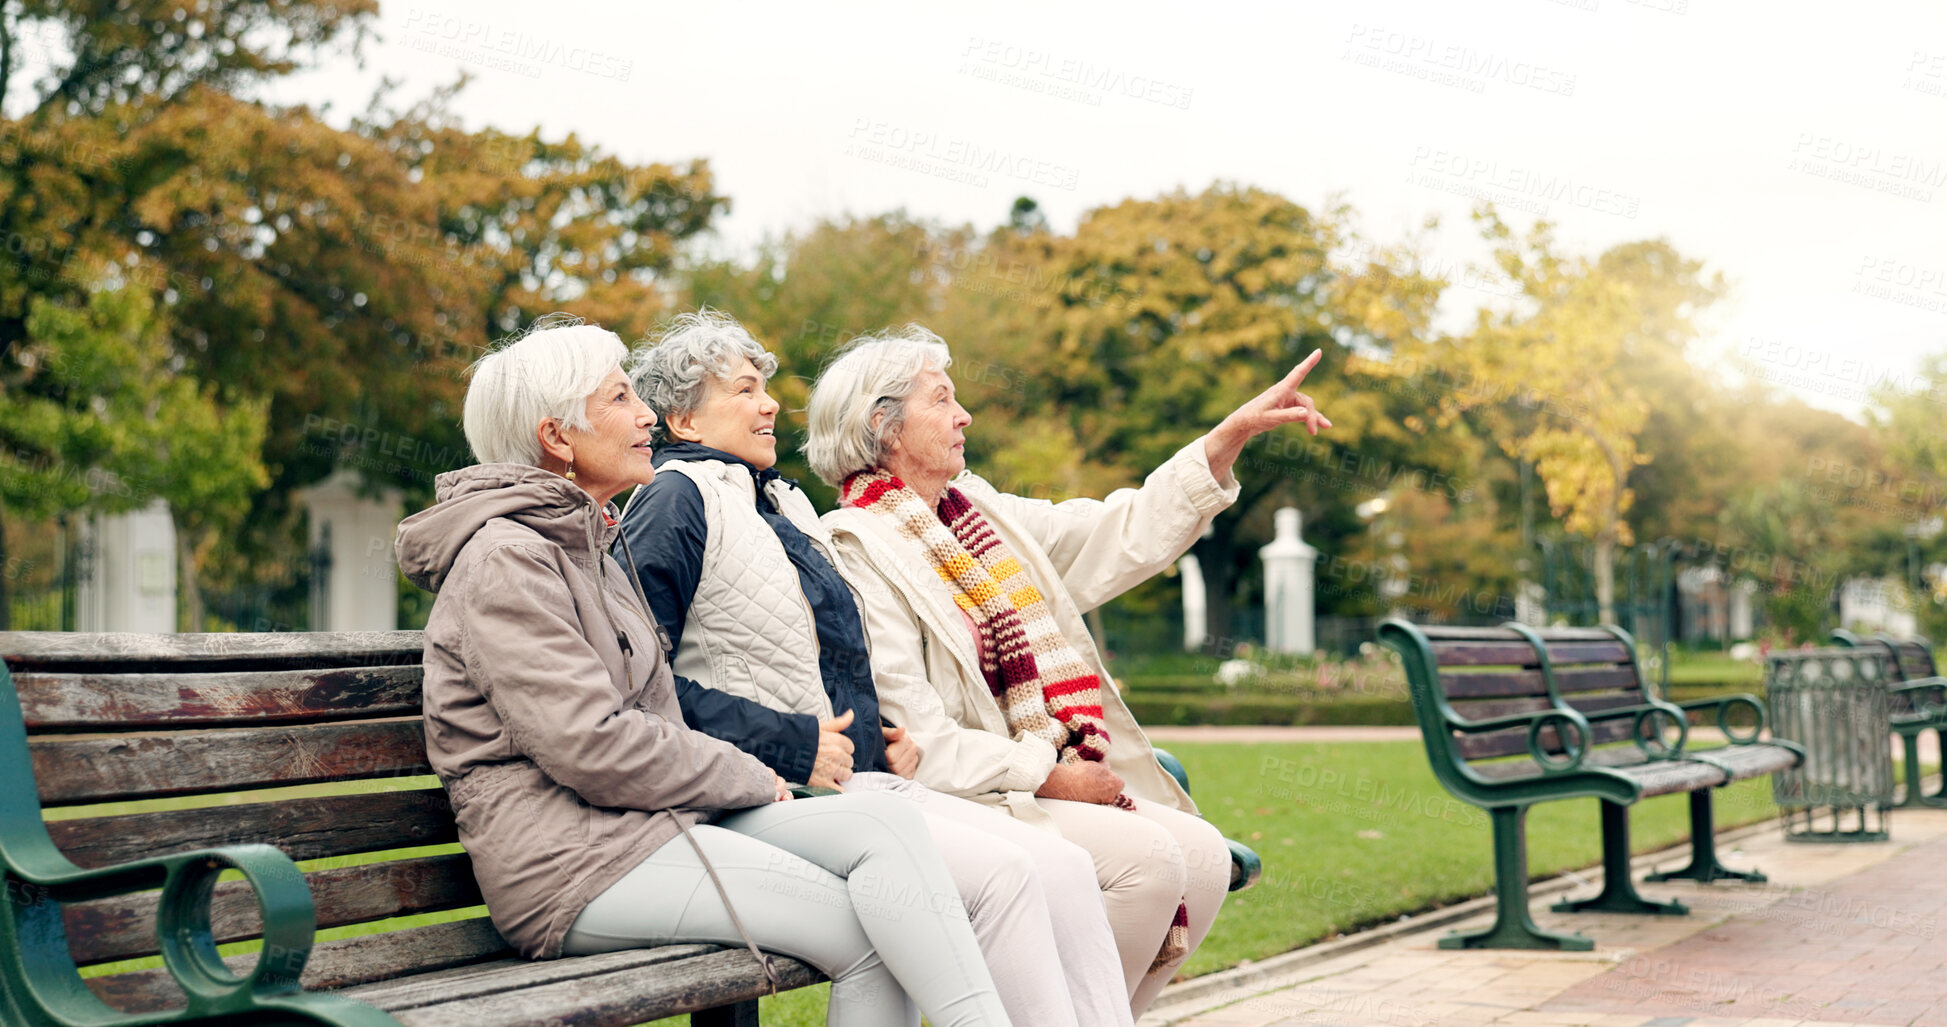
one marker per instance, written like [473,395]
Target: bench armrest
[183,931]
[1535,722]
[1650,710]
[1723,703]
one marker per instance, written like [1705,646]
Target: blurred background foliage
[201,288]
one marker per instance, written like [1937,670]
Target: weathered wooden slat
[1479,654]
[303,828]
[1487,709]
[95,700]
[333,964]
[1441,632]
[1492,684]
[619,998]
[498,975]
[1509,743]
[143,766]
[72,650]
[1521,654]
[123,927]
[1515,740]
[1483,684]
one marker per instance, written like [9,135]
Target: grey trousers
[850,884]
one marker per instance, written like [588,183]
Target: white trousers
[1036,908]
[850,884]
[1146,862]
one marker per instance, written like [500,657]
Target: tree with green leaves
[107,426]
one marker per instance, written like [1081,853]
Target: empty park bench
[1916,702]
[1513,716]
[271,748]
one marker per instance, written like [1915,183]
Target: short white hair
[672,369]
[870,378]
[550,371]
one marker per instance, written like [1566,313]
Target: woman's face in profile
[932,444]
[614,452]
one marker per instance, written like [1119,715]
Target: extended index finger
[1304,368]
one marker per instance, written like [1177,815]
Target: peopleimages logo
[1470,68]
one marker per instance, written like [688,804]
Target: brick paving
[1841,934]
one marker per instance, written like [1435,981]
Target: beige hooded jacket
[551,717]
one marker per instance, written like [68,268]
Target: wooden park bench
[1916,701]
[271,748]
[1513,716]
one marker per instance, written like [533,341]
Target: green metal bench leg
[1618,893]
[1916,796]
[1513,927]
[1704,866]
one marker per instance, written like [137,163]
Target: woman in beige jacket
[973,602]
[553,723]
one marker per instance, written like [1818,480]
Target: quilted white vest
[749,631]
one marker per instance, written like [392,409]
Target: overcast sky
[1799,148]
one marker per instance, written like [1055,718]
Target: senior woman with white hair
[974,601]
[552,721]
[771,656]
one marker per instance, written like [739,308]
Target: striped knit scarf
[1043,686]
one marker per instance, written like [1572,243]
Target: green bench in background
[1917,701]
[1513,716]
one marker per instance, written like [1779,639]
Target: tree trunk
[6,577]
[186,584]
[1605,578]
[1214,554]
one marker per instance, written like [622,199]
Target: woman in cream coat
[973,602]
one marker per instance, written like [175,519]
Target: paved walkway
[1841,934]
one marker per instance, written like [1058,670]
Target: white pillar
[359,590]
[130,584]
[1288,599]
[1740,614]
[1196,610]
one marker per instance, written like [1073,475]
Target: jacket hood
[467,499]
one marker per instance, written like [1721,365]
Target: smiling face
[735,415]
[614,452]
[931,446]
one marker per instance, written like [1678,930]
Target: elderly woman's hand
[1081,782]
[1281,404]
[902,753]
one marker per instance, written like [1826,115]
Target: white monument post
[360,589]
[131,580]
[1288,599]
[1196,611]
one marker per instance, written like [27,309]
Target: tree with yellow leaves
[1554,372]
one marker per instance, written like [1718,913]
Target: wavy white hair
[859,402]
[671,369]
[549,371]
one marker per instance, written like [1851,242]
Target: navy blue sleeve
[666,532]
[786,742]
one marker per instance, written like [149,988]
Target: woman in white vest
[974,600]
[770,655]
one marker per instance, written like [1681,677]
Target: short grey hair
[673,366]
[870,378]
[549,371]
